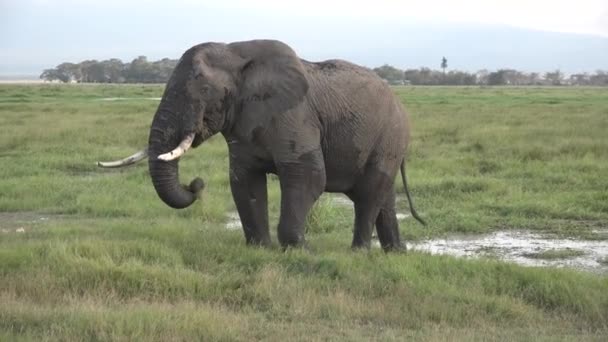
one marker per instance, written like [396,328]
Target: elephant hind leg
[374,199]
[366,212]
[387,226]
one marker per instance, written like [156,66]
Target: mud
[521,247]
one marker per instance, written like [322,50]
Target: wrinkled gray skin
[331,126]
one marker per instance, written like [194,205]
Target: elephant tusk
[132,159]
[179,150]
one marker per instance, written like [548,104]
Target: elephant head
[211,86]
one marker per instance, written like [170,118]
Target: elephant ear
[272,80]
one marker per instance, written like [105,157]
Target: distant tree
[140,70]
[93,71]
[113,70]
[482,76]
[53,75]
[391,74]
[163,69]
[459,78]
[580,79]
[64,72]
[497,77]
[600,78]
[554,78]
[88,71]
[534,78]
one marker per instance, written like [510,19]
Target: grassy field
[91,254]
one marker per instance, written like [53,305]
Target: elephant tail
[407,193]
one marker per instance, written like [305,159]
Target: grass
[488,158]
[553,254]
[102,258]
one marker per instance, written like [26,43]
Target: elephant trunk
[164,136]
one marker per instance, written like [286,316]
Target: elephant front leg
[301,186]
[251,198]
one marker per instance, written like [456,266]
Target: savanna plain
[92,254]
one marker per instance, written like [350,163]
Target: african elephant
[330,126]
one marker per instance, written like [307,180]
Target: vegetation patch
[114,263]
[556,254]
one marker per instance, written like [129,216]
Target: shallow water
[520,246]
[128,98]
[233,222]
[23,221]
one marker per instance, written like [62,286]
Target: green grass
[102,258]
[488,158]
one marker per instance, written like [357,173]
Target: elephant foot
[291,239]
[299,244]
[360,247]
[304,248]
[399,248]
[259,242]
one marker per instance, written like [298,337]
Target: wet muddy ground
[521,247]
[21,222]
[524,248]
[128,98]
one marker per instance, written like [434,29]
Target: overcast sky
[42,33]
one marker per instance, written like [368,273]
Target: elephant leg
[371,195]
[387,226]
[366,211]
[251,198]
[301,185]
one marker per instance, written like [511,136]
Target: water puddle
[128,98]
[21,222]
[525,248]
[521,247]
[233,222]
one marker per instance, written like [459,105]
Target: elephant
[329,126]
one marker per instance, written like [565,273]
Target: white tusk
[126,161]
[179,150]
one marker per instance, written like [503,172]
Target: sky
[38,34]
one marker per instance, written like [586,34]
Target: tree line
[140,70]
[426,76]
